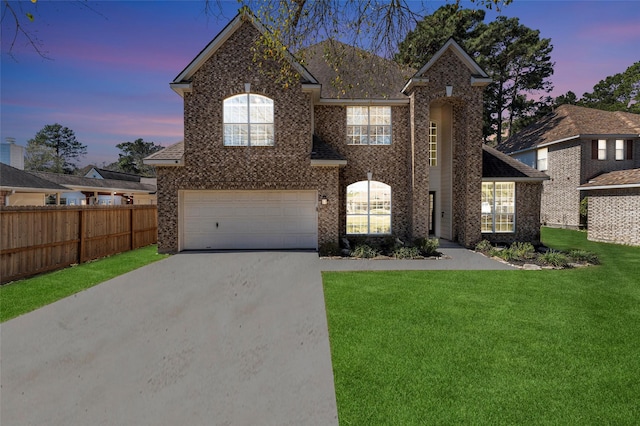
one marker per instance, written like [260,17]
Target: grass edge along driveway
[20,297]
[490,347]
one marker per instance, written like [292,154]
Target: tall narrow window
[619,149]
[433,144]
[543,154]
[368,208]
[369,125]
[498,207]
[602,149]
[248,120]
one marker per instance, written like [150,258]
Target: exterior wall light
[323,200]
[449,90]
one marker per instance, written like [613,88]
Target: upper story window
[369,125]
[602,149]
[620,149]
[368,208]
[248,120]
[498,207]
[543,154]
[433,144]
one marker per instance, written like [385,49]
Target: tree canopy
[515,57]
[54,149]
[619,92]
[132,154]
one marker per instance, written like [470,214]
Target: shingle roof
[569,121]
[172,152]
[110,174]
[322,151]
[496,164]
[630,177]
[363,75]
[72,181]
[13,178]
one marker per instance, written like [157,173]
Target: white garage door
[249,220]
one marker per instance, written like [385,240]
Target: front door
[432,212]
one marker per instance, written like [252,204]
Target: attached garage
[237,220]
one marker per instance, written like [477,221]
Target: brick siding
[614,216]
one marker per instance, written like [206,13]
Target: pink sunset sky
[111,62]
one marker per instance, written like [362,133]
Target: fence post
[131,247]
[82,235]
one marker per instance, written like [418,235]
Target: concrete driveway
[196,339]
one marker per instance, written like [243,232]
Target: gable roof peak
[452,45]
[181,83]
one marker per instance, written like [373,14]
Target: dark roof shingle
[10,177]
[322,151]
[362,75]
[496,164]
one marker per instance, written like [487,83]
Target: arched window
[248,120]
[368,208]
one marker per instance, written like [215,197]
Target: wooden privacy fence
[45,238]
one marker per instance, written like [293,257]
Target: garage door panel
[249,219]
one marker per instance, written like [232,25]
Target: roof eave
[515,179]
[168,162]
[618,186]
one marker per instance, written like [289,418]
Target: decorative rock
[346,252]
[345,244]
[531,267]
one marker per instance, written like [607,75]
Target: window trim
[433,144]
[248,123]
[602,149]
[493,209]
[368,125]
[539,159]
[368,214]
[620,150]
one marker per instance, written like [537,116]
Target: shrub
[555,258]
[584,256]
[330,248]
[363,251]
[427,246]
[522,251]
[406,252]
[484,246]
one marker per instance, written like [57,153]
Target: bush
[522,251]
[406,252]
[555,258]
[483,246]
[331,248]
[427,246]
[584,256]
[363,251]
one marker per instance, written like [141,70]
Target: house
[573,145]
[20,188]
[380,151]
[81,190]
[614,207]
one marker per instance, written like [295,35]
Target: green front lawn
[490,347]
[26,295]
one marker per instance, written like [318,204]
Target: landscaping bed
[526,256]
[382,248]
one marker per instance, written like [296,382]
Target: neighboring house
[20,188]
[82,190]
[573,145]
[381,151]
[12,154]
[614,207]
[96,173]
